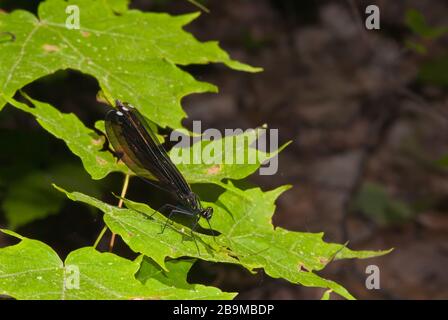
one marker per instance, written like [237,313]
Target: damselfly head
[207,213]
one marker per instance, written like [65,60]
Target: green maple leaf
[133,55]
[43,275]
[244,220]
[229,157]
[30,198]
[141,230]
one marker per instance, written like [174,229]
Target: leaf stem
[99,237]
[120,204]
[199,5]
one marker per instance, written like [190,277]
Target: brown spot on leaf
[101,161]
[303,268]
[214,170]
[50,48]
[99,141]
[85,34]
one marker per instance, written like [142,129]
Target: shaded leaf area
[244,220]
[435,69]
[31,197]
[442,162]
[133,55]
[26,193]
[373,201]
[89,274]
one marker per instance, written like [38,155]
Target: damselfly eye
[207,213]
[120,117]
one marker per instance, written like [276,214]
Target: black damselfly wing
[138,147]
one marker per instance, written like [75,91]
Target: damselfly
[135,143]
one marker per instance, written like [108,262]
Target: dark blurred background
[367,111]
